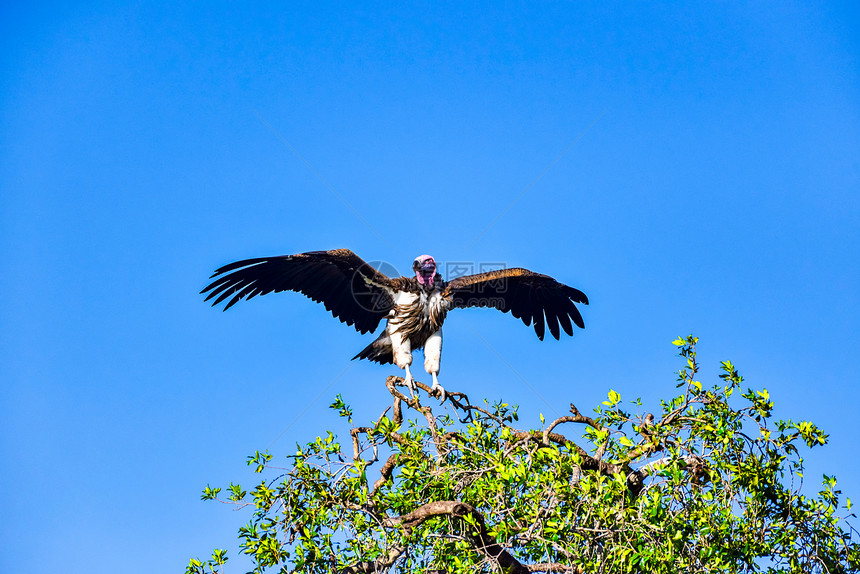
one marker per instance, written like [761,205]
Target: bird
[414,308]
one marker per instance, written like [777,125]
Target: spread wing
[352,290]
[528,296]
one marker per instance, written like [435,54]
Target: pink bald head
[425,269]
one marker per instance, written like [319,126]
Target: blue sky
[692,169]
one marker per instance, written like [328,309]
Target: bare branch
[385,472]
[580,418]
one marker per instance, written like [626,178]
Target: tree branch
[588,462]
[636,479]
[481,540]
[553,567]
[385,472]
[378,565]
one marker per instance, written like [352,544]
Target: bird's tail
[379,351]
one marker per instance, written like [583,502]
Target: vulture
[414,308]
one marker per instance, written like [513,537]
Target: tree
[704,486]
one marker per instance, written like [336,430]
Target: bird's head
[425,269]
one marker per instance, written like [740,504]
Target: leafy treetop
[706,485]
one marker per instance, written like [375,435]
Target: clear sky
[692,169]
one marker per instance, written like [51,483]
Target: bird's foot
[409,383]
[438,389]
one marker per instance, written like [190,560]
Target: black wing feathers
[351,289]
[531,297]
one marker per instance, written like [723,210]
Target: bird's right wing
[351,289]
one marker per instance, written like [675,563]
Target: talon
[410,382]
[437,388]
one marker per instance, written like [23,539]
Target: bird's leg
[410,382]
[437,387]
[433,360]
[402,350]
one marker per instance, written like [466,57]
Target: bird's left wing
[349,287]
[529,296]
